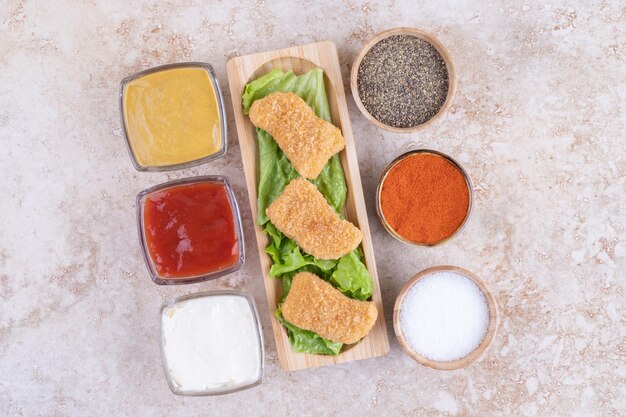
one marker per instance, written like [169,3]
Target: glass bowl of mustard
[173,116]
[190,230]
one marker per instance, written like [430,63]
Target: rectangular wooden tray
[300,59]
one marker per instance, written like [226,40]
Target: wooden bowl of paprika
[424,198]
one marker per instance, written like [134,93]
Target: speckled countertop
[538,121]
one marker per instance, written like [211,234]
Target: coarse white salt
[444,316]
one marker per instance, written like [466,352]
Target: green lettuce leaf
[349,274]
[304,341]
[274,174]
[309,86]
[332,184]
[260,87]
[352,277]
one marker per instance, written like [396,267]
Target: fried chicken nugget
[302,213]
[314,304]
[307,140]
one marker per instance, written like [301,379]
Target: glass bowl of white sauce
[211,343]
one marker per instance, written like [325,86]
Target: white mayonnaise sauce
[211,343]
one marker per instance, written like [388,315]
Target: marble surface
[538,121]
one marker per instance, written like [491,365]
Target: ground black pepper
[402,81]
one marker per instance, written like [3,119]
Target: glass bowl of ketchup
[190,230]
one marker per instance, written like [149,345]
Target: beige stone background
[538,122]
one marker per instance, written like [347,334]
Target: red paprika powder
[425,198]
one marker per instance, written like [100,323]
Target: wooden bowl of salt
[445,317]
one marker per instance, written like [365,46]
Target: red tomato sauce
[190,230]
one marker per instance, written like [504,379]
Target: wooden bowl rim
[428,37]
[482,348]
[379,190]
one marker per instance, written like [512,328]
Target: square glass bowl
[174,386]
[191,279]
[220,110]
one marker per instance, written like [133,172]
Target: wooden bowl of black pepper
[403,80]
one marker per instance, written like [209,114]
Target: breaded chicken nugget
[302,213]
[314,304]
[307,140]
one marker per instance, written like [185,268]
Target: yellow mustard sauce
[172,117]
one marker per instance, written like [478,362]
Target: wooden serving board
[300,59]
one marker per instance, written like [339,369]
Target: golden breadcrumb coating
[307,140]
[302,213]
[314,304]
